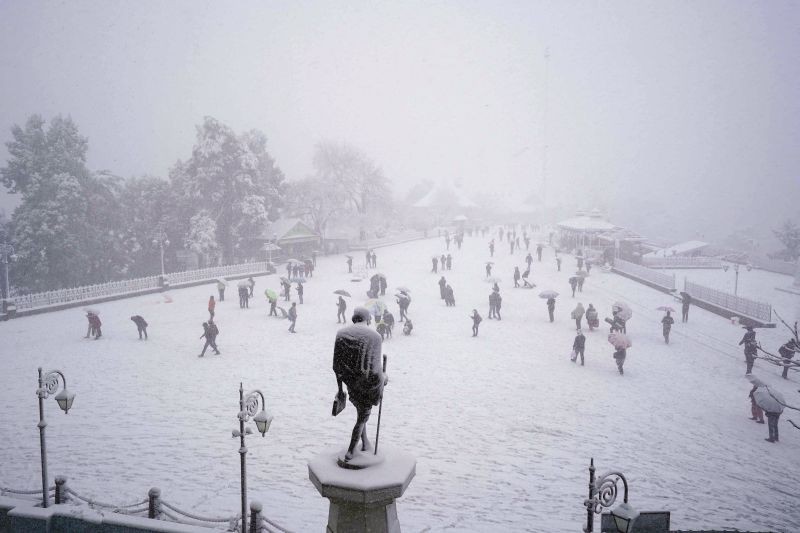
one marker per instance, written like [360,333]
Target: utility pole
[544,125]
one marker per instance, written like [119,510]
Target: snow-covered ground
[502,425]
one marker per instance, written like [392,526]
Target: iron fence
[211,273]
[741,306]
[89,292]
[647,274]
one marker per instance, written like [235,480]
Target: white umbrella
[771,401]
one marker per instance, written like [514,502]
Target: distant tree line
[75,226]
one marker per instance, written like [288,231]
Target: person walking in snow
[529,260]
[449,297]
[449,261]
[287,290]
[686,301]
[491,248]
[442,285]
[382,283]
[299,290]
[388,319]
[403,303]
[368,258]
[591,317]
[577,315]
[787,351]
[488,269]
[619,357]
[273,304]
[750,348]
[511,244]
[447,239]
[666,324]
[573,282]
[211,306]
[539,252]
[588,266]
[476,320]
[581,279]
[772,425]
[349,265]
[221,290]
[141,326]
[492,304]
[558,263]
[374,259]
[756,413]
[341,307]
[517,277]
[578,346]
[551,307]
[252,283]
[292,316]
[408,327]
[527,241]
[498,304]
[579,260]
[435,262]
[210,337]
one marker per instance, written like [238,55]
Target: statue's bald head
[360,314]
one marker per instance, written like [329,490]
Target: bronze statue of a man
[357,363]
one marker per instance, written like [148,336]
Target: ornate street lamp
[161,240]
[603,494]
[248,406]
[736,266]
[48,384]
[6,256]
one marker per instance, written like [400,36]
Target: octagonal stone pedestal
[363,501]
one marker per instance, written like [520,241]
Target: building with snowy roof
[683,249]
[294,237]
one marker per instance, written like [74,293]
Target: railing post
[255,517]
[154,503]
[61,490]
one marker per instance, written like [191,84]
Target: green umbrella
[270,294]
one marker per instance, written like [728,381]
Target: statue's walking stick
[380,409]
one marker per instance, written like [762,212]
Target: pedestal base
[363,501]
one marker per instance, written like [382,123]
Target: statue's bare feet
[365,445]
[348,455]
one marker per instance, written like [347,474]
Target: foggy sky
[678,117]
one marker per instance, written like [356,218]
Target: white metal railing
[89,292]
[737,304]
[646,274]
[389,239]
[682,262]
[188,276]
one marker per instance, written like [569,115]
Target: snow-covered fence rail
[743,307]
[643,273]
[189,276]
[682,262]
[89,292]
[388,240]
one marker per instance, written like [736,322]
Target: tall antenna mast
[544,125]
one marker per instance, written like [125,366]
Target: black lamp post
[248,406]
[161,241]
[603,494]
[48,384]
[6,256]
[736,266]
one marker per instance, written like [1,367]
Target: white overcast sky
[681,109]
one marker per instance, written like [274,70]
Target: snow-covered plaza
[502,425]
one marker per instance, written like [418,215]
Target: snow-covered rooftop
[446,195]
[593,222]
[679,249]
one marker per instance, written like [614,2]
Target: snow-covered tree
[202,236]
[789,236]
[317,200]
[234,181]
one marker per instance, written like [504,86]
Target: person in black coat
[686,301]
[491,251]
[141,326]
[292,316]
[349,265]
[449,297]
[619,357]
[299,290]
[539,252]
[558,263]
[442,285]
[529,260]
[551,307]
[388,319]
[498,304]
[435,263]
[573,282]
[750,348]
[787,352]
[287,290]
[476,320]
[383,285]
[492,304]
[578,346]
[210,332]
[449,262]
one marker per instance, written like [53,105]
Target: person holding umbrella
[551,307]
[772,403]
[221,290]
[621,343]
[619,356]
[666,324]
[403,301]
[573,283]
[272,298]
[750,349]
